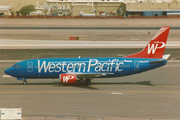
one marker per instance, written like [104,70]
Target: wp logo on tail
[157,45]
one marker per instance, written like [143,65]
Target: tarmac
[136,22]
[24,54]
[55,44]
[152,95]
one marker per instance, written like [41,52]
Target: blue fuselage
[53,67]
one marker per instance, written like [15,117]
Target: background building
[95,7]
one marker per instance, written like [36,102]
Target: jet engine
[68,78]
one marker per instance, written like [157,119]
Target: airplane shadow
[147,83]
[79,85]
[54,84]
[83,84]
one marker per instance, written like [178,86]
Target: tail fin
[155,48]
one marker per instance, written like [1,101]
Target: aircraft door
[136,65]
[30,66]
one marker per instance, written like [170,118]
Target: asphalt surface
[158,22]
[150,95]
[64,44]
[18,54]
[84,35]
[88,28]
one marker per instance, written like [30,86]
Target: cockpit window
[16,66]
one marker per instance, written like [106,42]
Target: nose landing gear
[23,79]
[25,82]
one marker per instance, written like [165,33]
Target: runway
[56,44]
[19,54]
[150,95]
[84,35]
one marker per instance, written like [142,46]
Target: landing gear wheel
[88,81]
[25,82]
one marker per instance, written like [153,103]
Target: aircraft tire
[25,82]
[88,81]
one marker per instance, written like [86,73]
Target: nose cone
[12,72]
[7,71]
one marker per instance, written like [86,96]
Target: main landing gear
[88,81]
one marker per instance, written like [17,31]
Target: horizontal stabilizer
[166,56]
[157,61]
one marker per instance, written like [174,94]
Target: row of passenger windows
[77,66]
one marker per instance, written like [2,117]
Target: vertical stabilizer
[155,48]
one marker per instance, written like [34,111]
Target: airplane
[73,70]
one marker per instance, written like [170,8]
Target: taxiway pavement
[56,44]
[24,54]
[86,34]
[156,22]
[150,95]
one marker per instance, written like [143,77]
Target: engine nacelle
[68,78]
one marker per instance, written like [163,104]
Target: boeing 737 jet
[72,70]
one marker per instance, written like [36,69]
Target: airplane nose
[7,71]
[12,72]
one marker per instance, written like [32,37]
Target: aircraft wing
[89,75]
[157,61]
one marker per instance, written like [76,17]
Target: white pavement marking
[6,76]
[6,61]
[173,61]
[116,93]
[79,44]
[134,39]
